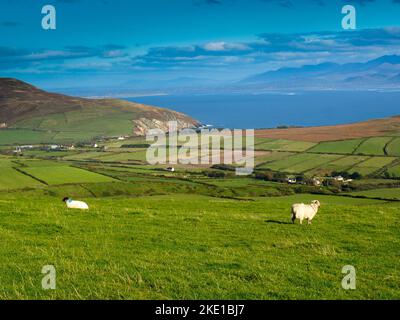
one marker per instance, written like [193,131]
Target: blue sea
[275,109]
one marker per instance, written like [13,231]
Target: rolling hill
[28,114]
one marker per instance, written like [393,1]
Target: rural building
[316,182]
[291,180]
[338,178]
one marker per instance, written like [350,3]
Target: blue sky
[123,42]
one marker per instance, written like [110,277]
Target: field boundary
[387,144]
[29,175]
[359,145]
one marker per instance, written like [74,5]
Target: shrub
[215,174]
[226,167]
[267,176]
[142,145]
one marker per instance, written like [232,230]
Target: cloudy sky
[127,42]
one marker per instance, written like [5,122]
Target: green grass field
[342,147]
[137,155]
[90,155]
[12,179]
[22,136]
[373,146]
[153,234]
[390,193]
[344,163]
[64,175]
[394,171]
[283,145]
[273,156]
[197,247]
[300,162]
[372,164]
[393,147]
[82,125]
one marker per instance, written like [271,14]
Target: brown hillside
[372,128]
[20,100]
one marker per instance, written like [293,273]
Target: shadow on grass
[277,222]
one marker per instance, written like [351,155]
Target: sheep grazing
[73,204]
[303,211]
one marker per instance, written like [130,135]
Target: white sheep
[73,204]
[303,211]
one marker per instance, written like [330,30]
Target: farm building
[316,182]
[291,180]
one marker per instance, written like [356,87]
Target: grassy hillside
[31,115]
[184,235]
[131,248]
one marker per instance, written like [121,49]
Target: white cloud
[224,46]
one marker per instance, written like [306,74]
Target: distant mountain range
[380,73]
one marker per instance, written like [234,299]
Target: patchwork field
[199,232]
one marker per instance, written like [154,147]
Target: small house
[316,182]
[291,180]
[54,147]
[338,178]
